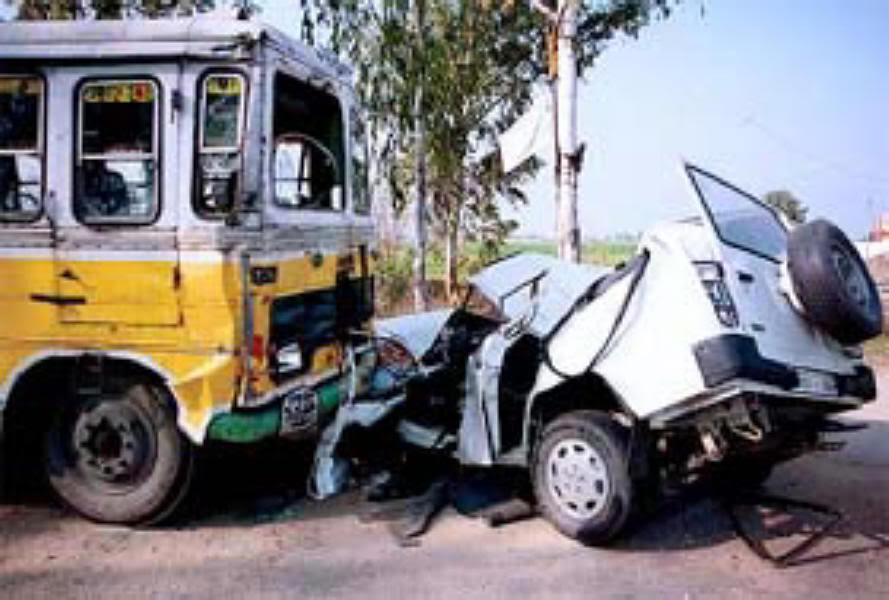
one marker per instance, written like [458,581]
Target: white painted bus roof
[203,36]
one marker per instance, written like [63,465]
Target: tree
[42,10]
[787,203]
[478,77]
[456,76]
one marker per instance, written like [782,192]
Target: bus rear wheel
[118,456]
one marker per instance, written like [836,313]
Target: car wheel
[118,457]
[833,283]
[580,476]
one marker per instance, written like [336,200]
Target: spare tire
[833,283]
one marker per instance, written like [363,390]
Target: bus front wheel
[118,456]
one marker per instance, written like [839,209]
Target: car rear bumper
[728,357]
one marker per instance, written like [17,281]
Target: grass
[394,270]
[473,256]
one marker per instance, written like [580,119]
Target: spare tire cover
[833,283]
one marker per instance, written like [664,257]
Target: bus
[185,244]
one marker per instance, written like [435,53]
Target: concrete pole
[568,229]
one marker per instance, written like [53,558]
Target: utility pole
[569,231]
[567,158]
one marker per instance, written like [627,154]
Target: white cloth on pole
[531,135]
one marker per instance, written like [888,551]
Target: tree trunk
[451,256]
[568,229]
[557,159]
[419,265]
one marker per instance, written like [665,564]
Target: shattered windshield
[740,219]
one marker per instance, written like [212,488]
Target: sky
[770,95]
[789,94]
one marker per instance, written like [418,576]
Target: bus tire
[118,456]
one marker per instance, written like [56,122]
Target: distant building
[880,229]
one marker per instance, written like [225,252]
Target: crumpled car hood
[559,285]
[508,284]
[416,331]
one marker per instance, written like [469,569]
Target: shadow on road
[853,482]
[247,486]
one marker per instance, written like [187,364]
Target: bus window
[360,183]
[21,134]
[117,152]
[308,162]
[222,124]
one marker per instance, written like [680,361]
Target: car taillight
[713,280]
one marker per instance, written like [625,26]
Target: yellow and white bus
[185,241]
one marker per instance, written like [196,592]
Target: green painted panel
[329,396]
[246,427]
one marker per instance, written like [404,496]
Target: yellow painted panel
[129,299]
[134,292]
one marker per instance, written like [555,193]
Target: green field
[394,268]
[472,257]
[595,252]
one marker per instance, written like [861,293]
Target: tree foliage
[787,203]
[477,62]
[42,10]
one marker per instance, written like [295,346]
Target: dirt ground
[241,541]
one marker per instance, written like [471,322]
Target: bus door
[116,253]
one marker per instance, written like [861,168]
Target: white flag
[531,135]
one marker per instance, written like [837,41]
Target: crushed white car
[726,342]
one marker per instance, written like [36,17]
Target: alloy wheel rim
[577,478]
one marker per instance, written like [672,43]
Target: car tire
[118,456]
[580,475]
[833,283]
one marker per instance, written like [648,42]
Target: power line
[825,163]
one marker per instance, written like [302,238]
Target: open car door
[750,243]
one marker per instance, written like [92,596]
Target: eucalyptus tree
[439,79]
[45,10]
[482,59]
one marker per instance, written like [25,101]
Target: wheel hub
[577,478]
[850,274]
[111,441]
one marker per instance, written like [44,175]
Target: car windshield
[740,219]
